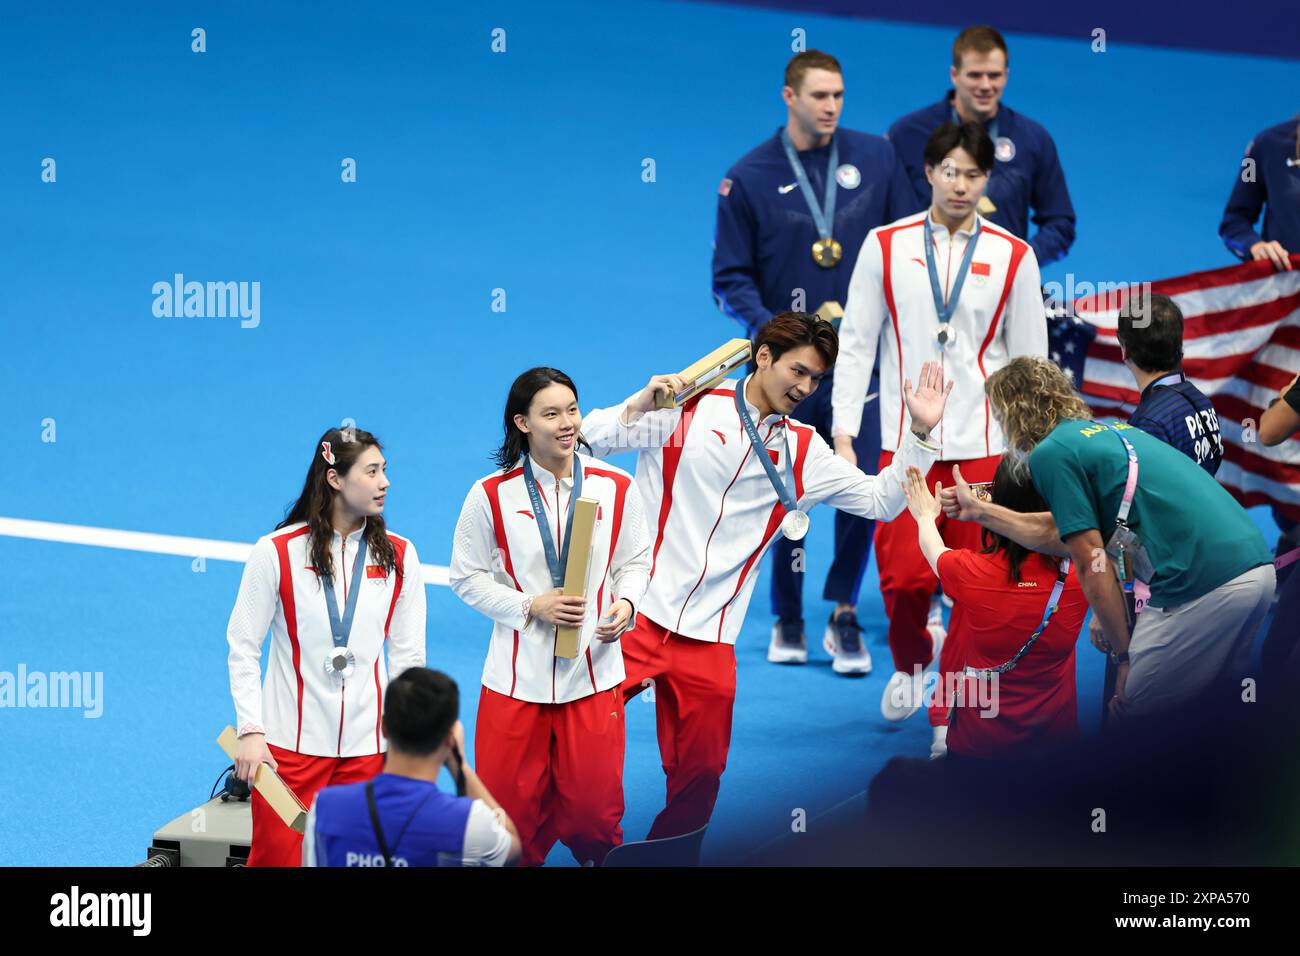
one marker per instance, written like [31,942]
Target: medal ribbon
[824,217]
[784,491]
[341,630]
[555,564]
[946,309]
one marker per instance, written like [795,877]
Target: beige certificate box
[268,783]
[708,371]
[831,311]
[575,572]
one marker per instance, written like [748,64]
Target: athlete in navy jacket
[1028,172]
[1268,182]
[763,263]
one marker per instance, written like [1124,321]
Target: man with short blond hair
[1027,174]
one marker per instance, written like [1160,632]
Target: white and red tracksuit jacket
[712,510]
[302,708]
[497,563]
[999,316]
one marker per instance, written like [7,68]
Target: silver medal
[340,663]
[795,525]
[946,335]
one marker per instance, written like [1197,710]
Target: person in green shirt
[1209,572]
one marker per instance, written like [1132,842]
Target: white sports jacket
[497,563]
[891,306]
[302,708]
[712,510]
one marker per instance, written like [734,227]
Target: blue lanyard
[946,309]
[824,217]
[341,630]
[991,128]
[784,491]
[556,565]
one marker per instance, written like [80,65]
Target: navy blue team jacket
[1030,178]
[762,249]
[1180,415]
[1275,191]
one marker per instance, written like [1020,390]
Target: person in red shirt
[1001,594]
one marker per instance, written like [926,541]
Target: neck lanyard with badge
[554,563]
[1124,547]
[1053,602]
[379,830]
[795,523]
[826,251]
[946,334]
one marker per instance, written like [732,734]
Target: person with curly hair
[1126,505]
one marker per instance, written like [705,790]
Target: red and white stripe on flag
[1241,344]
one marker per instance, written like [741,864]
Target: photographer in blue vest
[401,817]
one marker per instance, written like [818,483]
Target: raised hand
[923,505]
[926,404]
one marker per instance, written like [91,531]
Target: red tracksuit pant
[695,687]
[275,844]
[907,583]
[557,769]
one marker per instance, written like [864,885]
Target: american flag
[1241,344]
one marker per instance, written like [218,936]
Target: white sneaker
[903,695]
[843,641]
[939,746]
[938,634]
[789,644]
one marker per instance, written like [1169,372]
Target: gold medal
[827,252]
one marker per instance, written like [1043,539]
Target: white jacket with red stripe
[890,306]
[497,562]
[712,509]
[302,708]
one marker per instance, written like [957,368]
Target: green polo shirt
[1195,533]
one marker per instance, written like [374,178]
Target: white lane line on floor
[434,574]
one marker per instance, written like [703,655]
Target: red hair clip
[327,454]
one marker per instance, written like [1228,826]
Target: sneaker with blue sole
[843,641]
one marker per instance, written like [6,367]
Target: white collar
[355,534]
[539,471]
[940,228]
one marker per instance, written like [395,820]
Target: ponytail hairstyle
[525,387]
[316,501]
